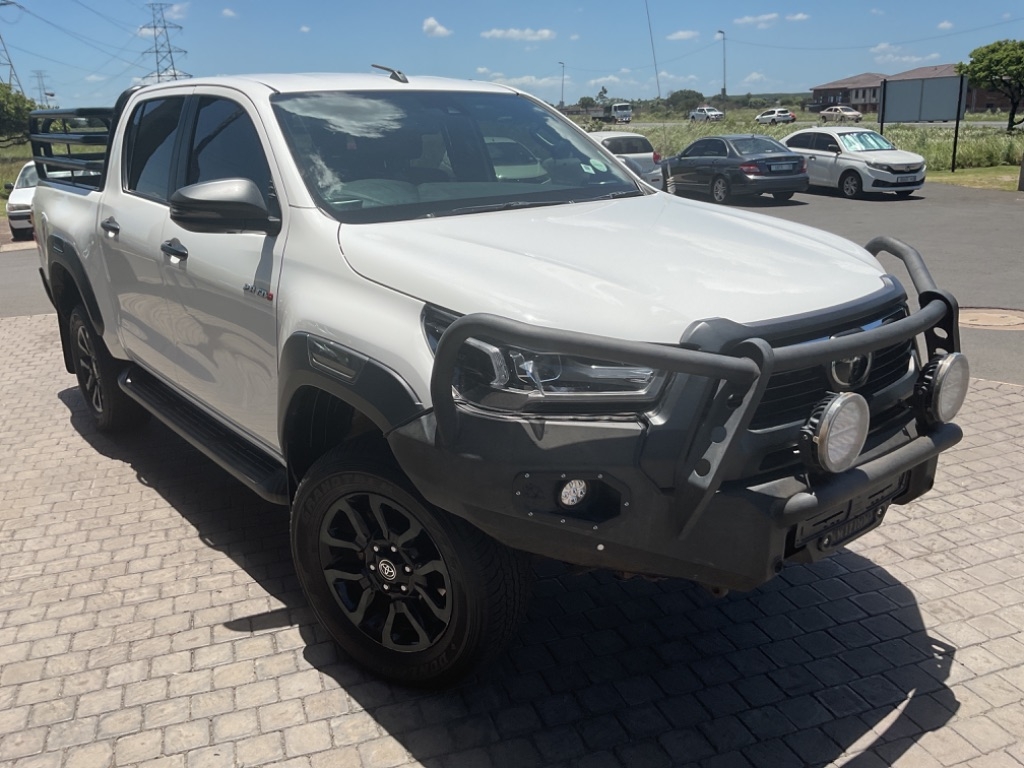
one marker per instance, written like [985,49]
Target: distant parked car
[855,160]
[840,115]
[635,147]
[774,116]
[730,166]
[19,204]
[706,113]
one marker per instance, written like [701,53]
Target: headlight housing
[18,207]
[514,378]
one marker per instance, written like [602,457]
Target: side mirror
[9,185]
[224,205]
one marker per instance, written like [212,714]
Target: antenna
[395,74]
[162,48]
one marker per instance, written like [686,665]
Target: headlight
[834,435]
[942,387]
[18,207]
[509,378]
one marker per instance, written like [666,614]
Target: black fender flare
[61,253]
[367,385]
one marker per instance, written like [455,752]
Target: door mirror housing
[224,205]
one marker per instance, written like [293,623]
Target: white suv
[857,160]
[774,116]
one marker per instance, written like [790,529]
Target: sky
[85,52]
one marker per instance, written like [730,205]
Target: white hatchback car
[635,148]
[775,115]
[19,204]
[857,160]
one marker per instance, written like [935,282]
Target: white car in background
[706,114]
[636,150]
[19,203]
[857,160]
[840,115]
[775,115]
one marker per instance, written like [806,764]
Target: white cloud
[432,28]
[763,21]
[607,80]
[176,11]
[946,25]
[892,58]
[754,77]
[530,35]
[304,28]
[527,82]
[877,12]
[227,13]
[574,37]
[797,17]
[94,78]
[683,34]
[482,70]
[884,48]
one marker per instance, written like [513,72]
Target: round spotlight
[573,493]
[943,386]
[834,435]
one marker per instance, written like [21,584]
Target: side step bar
[253,467]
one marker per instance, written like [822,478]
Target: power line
[5,58]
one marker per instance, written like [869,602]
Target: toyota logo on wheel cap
[387,570]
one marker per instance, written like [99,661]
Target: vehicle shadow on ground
[826,663]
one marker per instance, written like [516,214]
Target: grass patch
[1003,177]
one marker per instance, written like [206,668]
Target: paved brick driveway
[149,616]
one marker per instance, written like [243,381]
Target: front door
[225,319]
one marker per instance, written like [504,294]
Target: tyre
[850,185]
[782,196]
[412,593]
[97,372]
[773,122]
[720,189]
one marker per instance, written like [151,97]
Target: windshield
[27,177]
[864,141]
[373,156]
[758,145]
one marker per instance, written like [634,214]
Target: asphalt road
[972,240]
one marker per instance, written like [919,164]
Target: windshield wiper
[617,195]
[508,205]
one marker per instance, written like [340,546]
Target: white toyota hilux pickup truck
[444,356]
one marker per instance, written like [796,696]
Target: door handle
[110,225]
[174,248]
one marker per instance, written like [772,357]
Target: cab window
[149,147]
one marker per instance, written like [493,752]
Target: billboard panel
[922,100]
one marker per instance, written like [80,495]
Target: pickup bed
[444,359]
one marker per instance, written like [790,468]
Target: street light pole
[722,33]
[561,102]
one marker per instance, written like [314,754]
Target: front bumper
[672,490]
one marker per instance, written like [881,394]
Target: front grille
[791,395]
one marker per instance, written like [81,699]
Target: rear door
[225,317]
[132,212]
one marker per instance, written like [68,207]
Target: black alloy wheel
[97,373]
[413,593]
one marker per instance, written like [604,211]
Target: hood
[897,158]
[639,268]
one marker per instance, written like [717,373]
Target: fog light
[834,435]
[942,387]
[573,493]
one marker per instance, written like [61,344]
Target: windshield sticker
[586,168]
[598,164]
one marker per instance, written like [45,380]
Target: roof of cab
[337,81]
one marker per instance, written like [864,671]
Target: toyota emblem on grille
[850,373]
